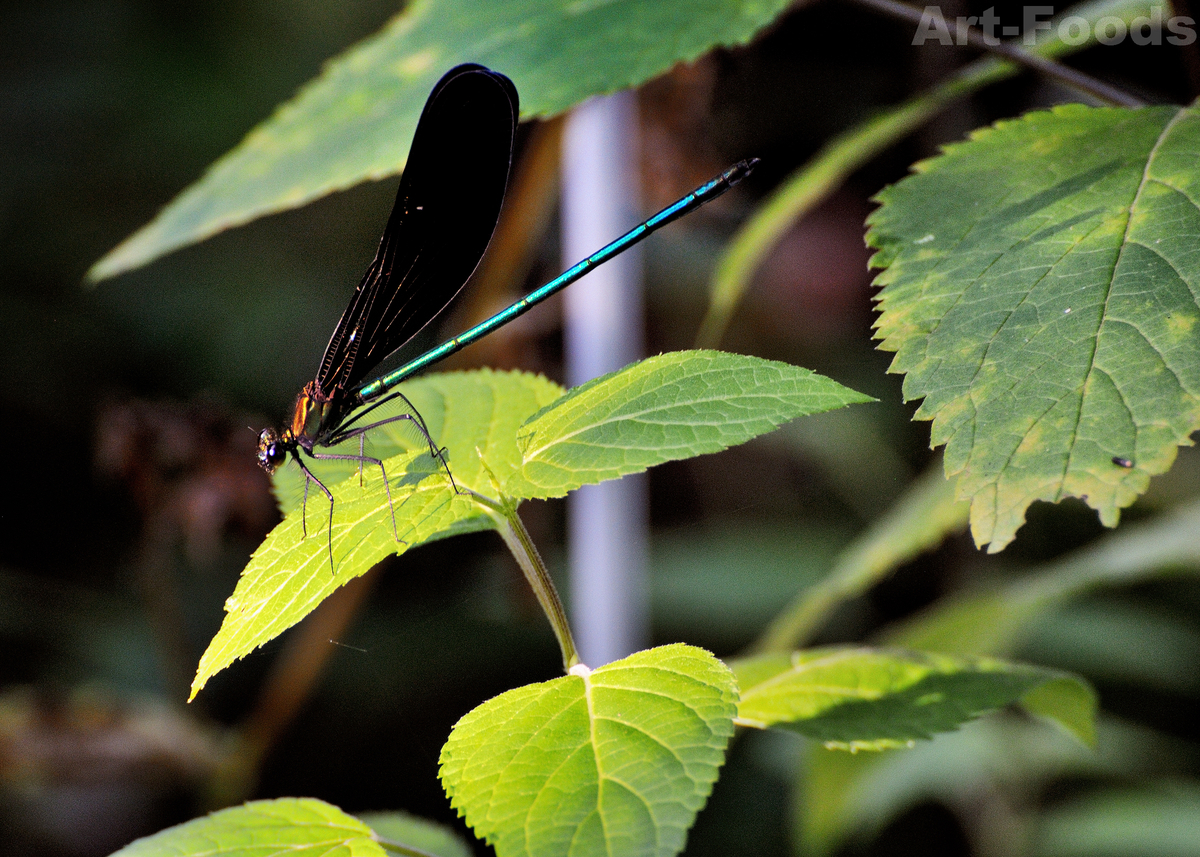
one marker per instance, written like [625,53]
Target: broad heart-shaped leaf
[871,699]
[615,761]
[356,120]
[298,827]
[474,415]
[672,406]
[1041,294]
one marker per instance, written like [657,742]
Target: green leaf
[994,620]
[660,409]
[1041,297]
[615,761]
[297,826]
[840,157]
[668,407]
[355,121]
[474,415]
[864,699]
[1069,702]
[402,833]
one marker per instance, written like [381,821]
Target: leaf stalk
[516,537]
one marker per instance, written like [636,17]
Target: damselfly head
[272,451]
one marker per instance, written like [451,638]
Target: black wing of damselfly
[446,210]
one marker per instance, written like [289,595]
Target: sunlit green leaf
[303,827]
[873,699]
[615,761]
[474,415]
[672,406]
[498,429]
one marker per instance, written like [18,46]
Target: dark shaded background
[131,500]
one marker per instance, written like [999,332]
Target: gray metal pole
[608,523]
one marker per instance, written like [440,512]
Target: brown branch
[964,34]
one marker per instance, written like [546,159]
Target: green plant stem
[512,530]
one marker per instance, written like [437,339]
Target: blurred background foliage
[137,501]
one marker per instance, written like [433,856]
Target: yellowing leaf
[1042,295]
